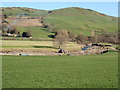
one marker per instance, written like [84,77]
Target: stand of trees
[64,36]
[11,31]
[102,38]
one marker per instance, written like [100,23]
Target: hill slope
[81,20]
[26,22]
[74,19]
[18,11]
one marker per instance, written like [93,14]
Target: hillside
[22,11]
[81,20]
[75,19]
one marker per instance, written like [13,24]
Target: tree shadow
[51,36]
[44,47]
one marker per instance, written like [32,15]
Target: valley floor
[86,71]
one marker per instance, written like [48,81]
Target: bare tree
[93,38]
[61,38]
[81,38]
[71,36]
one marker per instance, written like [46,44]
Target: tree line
[64,36]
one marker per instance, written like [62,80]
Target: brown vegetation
[61,37]
[81,38]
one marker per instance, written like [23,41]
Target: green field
[14,45]
[37,32]
[91,71]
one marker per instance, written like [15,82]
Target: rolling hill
[73,18]
[81,20]
[18,11]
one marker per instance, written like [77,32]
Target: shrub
[81,38]
[26,34]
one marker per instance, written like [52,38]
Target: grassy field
[37,32]
[36,45]
[92,71]
[17,43]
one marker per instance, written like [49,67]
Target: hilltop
[18,11]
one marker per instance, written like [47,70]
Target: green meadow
[86,71]
[37,32]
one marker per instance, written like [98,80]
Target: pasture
[87,71]
[37,32]
[26,43]
[13,45]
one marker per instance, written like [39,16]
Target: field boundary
[27,39]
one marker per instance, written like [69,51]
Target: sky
[109,8]
[60,0]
